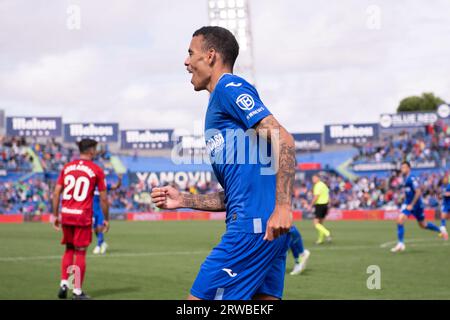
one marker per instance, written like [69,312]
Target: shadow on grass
[304,273]
[115,291]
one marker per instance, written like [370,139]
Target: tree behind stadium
[426,102]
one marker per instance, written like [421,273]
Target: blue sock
[443,222]
[100,238]
[400,232]
[296,243]
[431,226]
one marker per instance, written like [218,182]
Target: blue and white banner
[192,144]
[351,133]
[181,178]
[34,126]
[101,132]
[408,119]
[146,139]
[308,141]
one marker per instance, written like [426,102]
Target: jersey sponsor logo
[254,112]
[245,102]
[230,272]
[215,144]
[71,211]
[233,84]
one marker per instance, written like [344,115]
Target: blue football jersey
[410,186]
[446,201]
[96,201]
[234,106]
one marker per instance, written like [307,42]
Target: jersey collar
[218,81]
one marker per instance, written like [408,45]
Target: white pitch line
[390,243]
[149,254]
[326,247]
[109,255]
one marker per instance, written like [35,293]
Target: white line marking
[438,243]
[390,243]
[109,255]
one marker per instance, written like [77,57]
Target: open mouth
[190,72]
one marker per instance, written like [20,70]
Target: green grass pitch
[159,260]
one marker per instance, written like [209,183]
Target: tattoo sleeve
[206,202]
[283,149]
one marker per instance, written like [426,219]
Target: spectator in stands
[429,144]
[14,155]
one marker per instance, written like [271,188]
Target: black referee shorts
[320,211]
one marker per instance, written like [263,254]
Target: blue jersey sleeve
[415,183]
[241,101]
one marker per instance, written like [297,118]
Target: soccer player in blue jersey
[412,206]
[445,206]
[98,217]
[250,260]
[301,255]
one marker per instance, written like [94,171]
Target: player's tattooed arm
[206,202]
[284,155]
[169,197]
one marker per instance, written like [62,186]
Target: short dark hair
[222,40]
[86,144]
[407,163]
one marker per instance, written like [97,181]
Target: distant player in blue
[412,206]
[445,206]
[301,255]
[98,224]
[250,260]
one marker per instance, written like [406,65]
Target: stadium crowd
[54,155]
[15,156]
[370,192]
[431,144]
[33,195]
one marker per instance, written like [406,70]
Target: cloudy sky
[316,62]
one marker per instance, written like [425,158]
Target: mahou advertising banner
[101,132]
[351,133]
[34,126]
